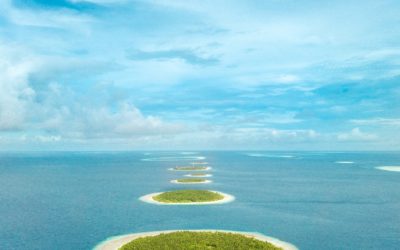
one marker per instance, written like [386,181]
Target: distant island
[188,197]
[191,181]
[191,168]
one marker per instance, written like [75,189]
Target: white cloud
[263,118]
[15,93]
[45,139]
[377,121]
[288,79]
[127,122]
[356,135]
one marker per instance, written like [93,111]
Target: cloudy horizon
[169,75]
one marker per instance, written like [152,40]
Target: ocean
[314,200]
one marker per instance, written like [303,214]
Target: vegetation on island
[190,168]
[188,196]
[191,180]
[183,240]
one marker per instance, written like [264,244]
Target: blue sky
[161,74]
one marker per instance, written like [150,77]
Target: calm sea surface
[74,200]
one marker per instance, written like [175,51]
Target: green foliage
[190,180]
[186,240]
[185,196]
[190,168]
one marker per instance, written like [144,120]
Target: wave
[344,162]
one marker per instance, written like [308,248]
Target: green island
[190,168]
[188,196]
[183,240]
[190,180]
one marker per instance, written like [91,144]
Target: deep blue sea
[74,200]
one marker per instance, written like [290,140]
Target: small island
[194,239]
[188,197]
[202,240]
[191,168]
[191,181]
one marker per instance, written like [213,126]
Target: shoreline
[115,242]
[191,183]
[187,170]
[148,198]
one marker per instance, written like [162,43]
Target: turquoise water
[75,200]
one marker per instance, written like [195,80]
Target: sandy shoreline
[389,168]
[113,243]
[190,183]
[149,199]
[205,169]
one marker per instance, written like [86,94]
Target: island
[194,239]
[187,197]
[191,181]
[191,168]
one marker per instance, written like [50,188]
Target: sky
[199,75]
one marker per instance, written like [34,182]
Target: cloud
[377,121]
[356,135]
[15,93]
[288,79]
[73,121]
[212,73]
[41,17]
[260,118]
[189,56]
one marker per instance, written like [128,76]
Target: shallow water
[75,200]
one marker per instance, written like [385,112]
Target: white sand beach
[389,168]
[114,243]
[149,199]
